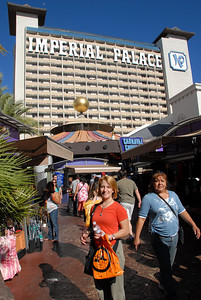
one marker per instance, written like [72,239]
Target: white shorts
[129,208]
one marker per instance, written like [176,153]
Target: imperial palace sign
[79,50]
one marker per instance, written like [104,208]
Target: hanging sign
[128,142]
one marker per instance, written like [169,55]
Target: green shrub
[16,185]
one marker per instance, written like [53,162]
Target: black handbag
[89,259]
[181,229]
[181,235]
[92,249]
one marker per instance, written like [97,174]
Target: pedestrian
[163,208]
[53,201]
[127,190]
[82,191]
[74,186]
[91,181]
[112,219]
[92,199]
[54,178]
[93,191]
[56,189]
[70,194]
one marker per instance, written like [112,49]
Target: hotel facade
[128,84]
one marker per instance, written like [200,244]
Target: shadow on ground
[60,287]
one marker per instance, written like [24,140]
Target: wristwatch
[113,237]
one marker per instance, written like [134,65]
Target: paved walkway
[57,271]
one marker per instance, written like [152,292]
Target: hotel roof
[91,36]
[14,8]
[174,31]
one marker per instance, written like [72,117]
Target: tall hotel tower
[127,83]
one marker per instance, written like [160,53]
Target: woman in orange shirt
[112,219]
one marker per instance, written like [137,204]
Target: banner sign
[81,50]
[129,143]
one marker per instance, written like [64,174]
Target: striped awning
[84,136]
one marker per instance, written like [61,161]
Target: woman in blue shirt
[164,225]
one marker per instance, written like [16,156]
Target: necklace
[102,208]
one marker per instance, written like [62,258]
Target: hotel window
[32,88]
[44,89]
[32,106]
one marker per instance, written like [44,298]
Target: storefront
[177,152]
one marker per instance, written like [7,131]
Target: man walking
[70,194]
[127,191]
[74,185]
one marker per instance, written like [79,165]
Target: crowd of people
[110,203]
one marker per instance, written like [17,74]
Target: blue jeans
[53,230]
[165,249]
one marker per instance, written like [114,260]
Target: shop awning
[8,120]
[95,169]
[41,146]
[157,143]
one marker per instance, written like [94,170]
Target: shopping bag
[105,261]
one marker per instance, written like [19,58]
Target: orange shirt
[110,218]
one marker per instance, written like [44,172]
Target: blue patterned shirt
[162,220]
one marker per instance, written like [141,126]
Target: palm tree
[12,109]
[15,109]
[16,185]
[3,51]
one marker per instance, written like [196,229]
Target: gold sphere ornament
[81,104]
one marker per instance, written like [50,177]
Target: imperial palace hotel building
[128,84]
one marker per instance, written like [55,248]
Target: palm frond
[3,51]
[16,185]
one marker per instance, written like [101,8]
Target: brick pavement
[57,271]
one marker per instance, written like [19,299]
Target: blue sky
[128,19]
